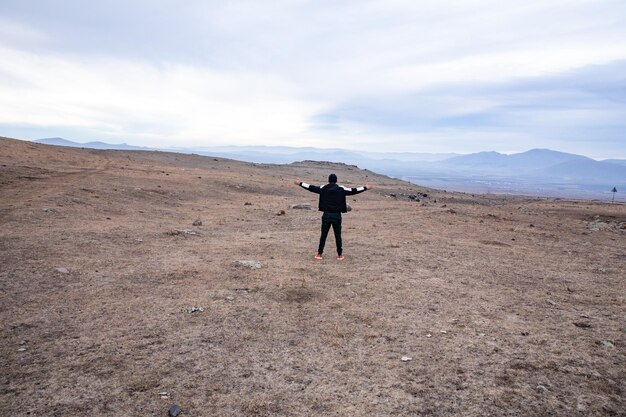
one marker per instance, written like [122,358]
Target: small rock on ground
[301,206]
[174,410]
[62,270]
[608,344]
[182,232]
[197,222]
[250,264]
[192,309]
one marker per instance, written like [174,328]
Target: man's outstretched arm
[356,190]
[311,188]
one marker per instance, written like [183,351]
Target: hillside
[537,172]
[113,303]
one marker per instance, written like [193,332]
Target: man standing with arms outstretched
[332,203]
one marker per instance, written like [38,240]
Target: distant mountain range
[540,163]
[268,154]
[90,145]
[534,172]
[527,162]
[616,161]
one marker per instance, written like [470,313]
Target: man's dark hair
[332,178]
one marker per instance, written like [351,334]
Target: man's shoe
[340,257]
[318,256]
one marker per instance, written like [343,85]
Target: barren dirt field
[114,304]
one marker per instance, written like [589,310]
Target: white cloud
[248,72]
[171,102]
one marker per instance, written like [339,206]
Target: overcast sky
[394,75]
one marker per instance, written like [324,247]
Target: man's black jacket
[332,196]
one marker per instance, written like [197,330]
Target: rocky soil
[114,303]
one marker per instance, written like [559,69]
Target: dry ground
[507,306]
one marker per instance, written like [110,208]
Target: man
[332,202]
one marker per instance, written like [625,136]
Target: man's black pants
[328,220]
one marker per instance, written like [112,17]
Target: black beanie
[332,178]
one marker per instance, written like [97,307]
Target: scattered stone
[22,349]
[182,232]
[598,225]
[393,195]
[197,222]
[280,213]
[542,388]
[443,332]
[301,206]
[242,290]
[582,324]
[429,335]
[247,203]
[250,264]
[49,210]
[192,309]
[348,207]
[62,270]
[174,410]
[230,298]
[608,344]
[406,359]
[481,335]
[552,303]
[602,270]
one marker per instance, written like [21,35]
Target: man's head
[332,178]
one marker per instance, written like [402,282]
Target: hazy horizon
[175,148]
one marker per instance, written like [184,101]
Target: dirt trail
[505,305]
